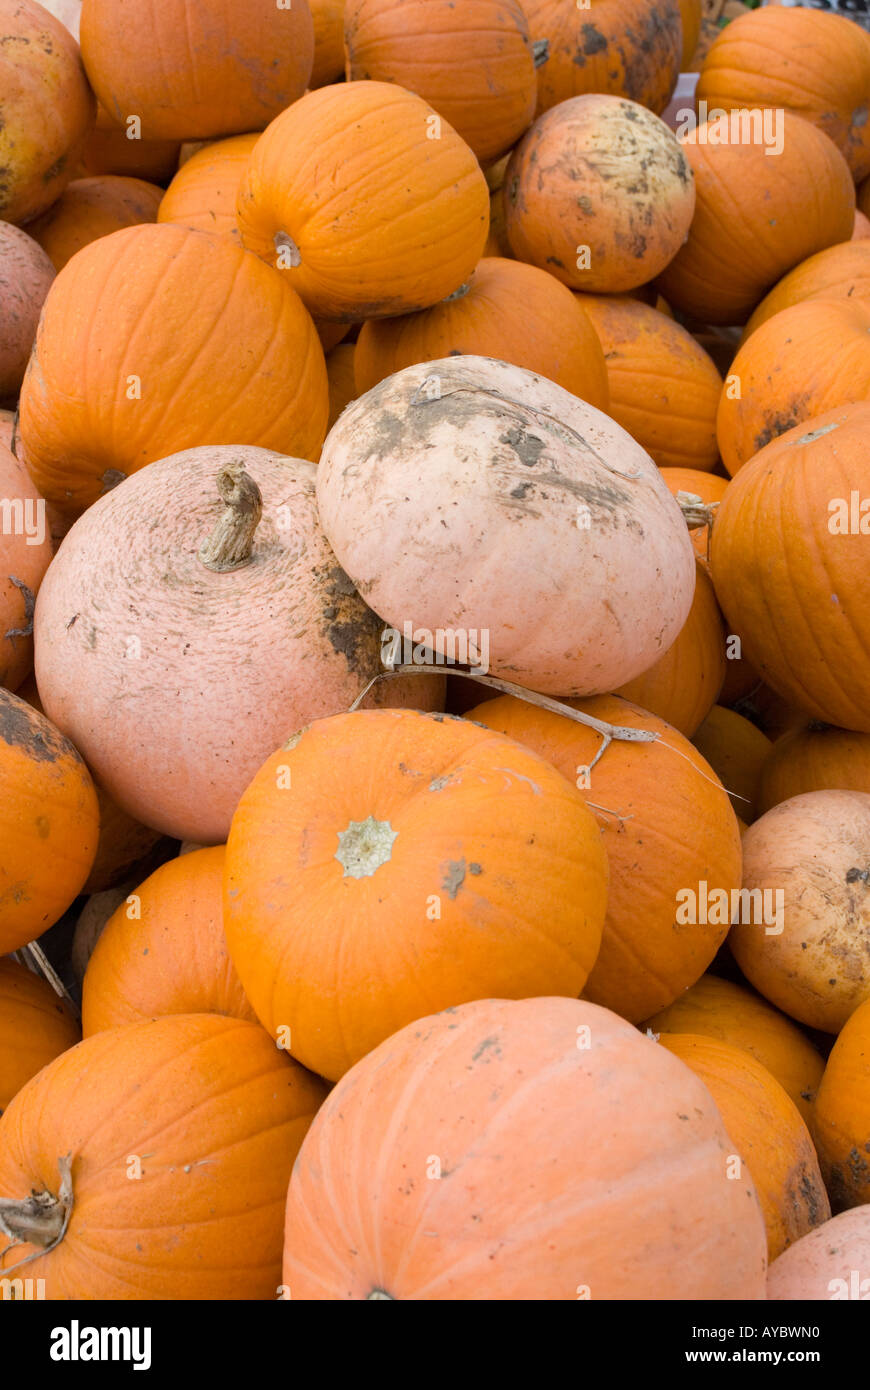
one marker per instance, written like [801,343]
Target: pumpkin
[510,311]
[26,274]
[618,1197]
[146,313]
[830,1262]
[815,758]
[599,193]
[629,48]
[691,12]
[755,216]
[474,63]
[861,229]
[163,951]
[735,1015]
[698,483]
[493,856]
[737,752]
[110,148]
[342,384]
[839,272]
[799,59]
[328,17]
[68,12]
[203,192]
[664,388]
[205,1113]
[192,73]
[48,817]
[46,109]
[741,677]
[92,208]
[810,853]
[91,923]
[769,1136]
[841,1119]
[35,1027]
[497,243]
[438,493]
[681,687]
[671,839]
[355,237]
[789,563]
[240,607]
[25,553]
[771,713]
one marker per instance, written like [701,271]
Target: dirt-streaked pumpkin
[839,272]
[737,751]
[25,554]
[35,1027]
[26,275]
[203,193]
[92,208]
[841,1120]
[815,758]
[831,1263]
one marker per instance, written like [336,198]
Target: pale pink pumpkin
[831,1263]
[25,552]
[176,680]
[26,273]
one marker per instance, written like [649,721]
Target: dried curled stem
[696,512]
[231,543]
[40,1219]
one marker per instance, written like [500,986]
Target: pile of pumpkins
[340,344]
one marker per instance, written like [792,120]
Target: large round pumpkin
[161,338]
[159,1155]
[789,561]
[664,388]
[204,191]
[816,758]
[190,72]
[48,823]
[387,862]
[510,311]
[245,629]
[366,200]
[769,1136]
[470,496]
[549,1151]
[841,1121]
[92,208]
[26,275]
[830,1263]
[25,553]
[35,1027]
[839,272]
[737,752]
[760,210]
[671,838]
[808,857]
[599,193]
[46,109]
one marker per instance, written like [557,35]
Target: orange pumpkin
[93,208]
[328,17]
[203,192]
[25,553]
[737,752]
[840,272]
[755,216]
[720,1009]
[35,1027]
[342,384]
[48,816]
[773,715]
[110,148]
[667,825]
[664,388]
[691,12]
[511,311]
[599,193]
[815,758]
[26,275]
[789,560]
[841,1121]
[630,48]
[190,72]
[497,243]
[768,1134]
[180,1136]
[163,951]
[148,312]
[708,486]
[494,856]
[741,678]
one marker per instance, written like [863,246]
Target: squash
[664,388]
[163,950]
[26,275]
[709,487]
[599,193]
[828,1263]
[194,73]
[629,48]
[841,1121]
[48,823]
[473,63]
[92,208]
[511,311]
[755,216]
[342,384]
[46,109]
[203,192]
[737,752]
[803,60]
[840,272]
[735,1015]
[328,17]
[608,1194]
[245,624]
[25,553]
[359,238]
[91,923]
[816,758]
[691,12]
[474,536]
[769,1136]
[811,957]
[146,313]
[68,12]
[671,838]
[152,1162]
[110,148]
[789,561]
[35,1027]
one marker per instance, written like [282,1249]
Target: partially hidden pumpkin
[342,381]
[830,1263]
[25,553]
[861,229]
[709,487]
[204,191]
[35,1027]
[328,17]
[26,275]
[691,12]
[815,758]
[92,208]
[841,1120]
[839,272]
[113,148]
[737,752]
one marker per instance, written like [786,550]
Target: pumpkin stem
[458,294]
[40,1219]
[289,255]
[696,512]
[377,1294]
[231,543]
[541,52]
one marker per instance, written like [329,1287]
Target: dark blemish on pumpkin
[579,59]
[455,352]
[554,260]
[475,869]
[858,876]
[454,877]
[56,168]
[593,41]
[43,827]
[585,204]
[21,727]
[527,447]
[521,490]
[681,1117]
[110,479]
[482,1047]
[437,783]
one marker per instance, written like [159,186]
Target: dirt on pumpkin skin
[21,727]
